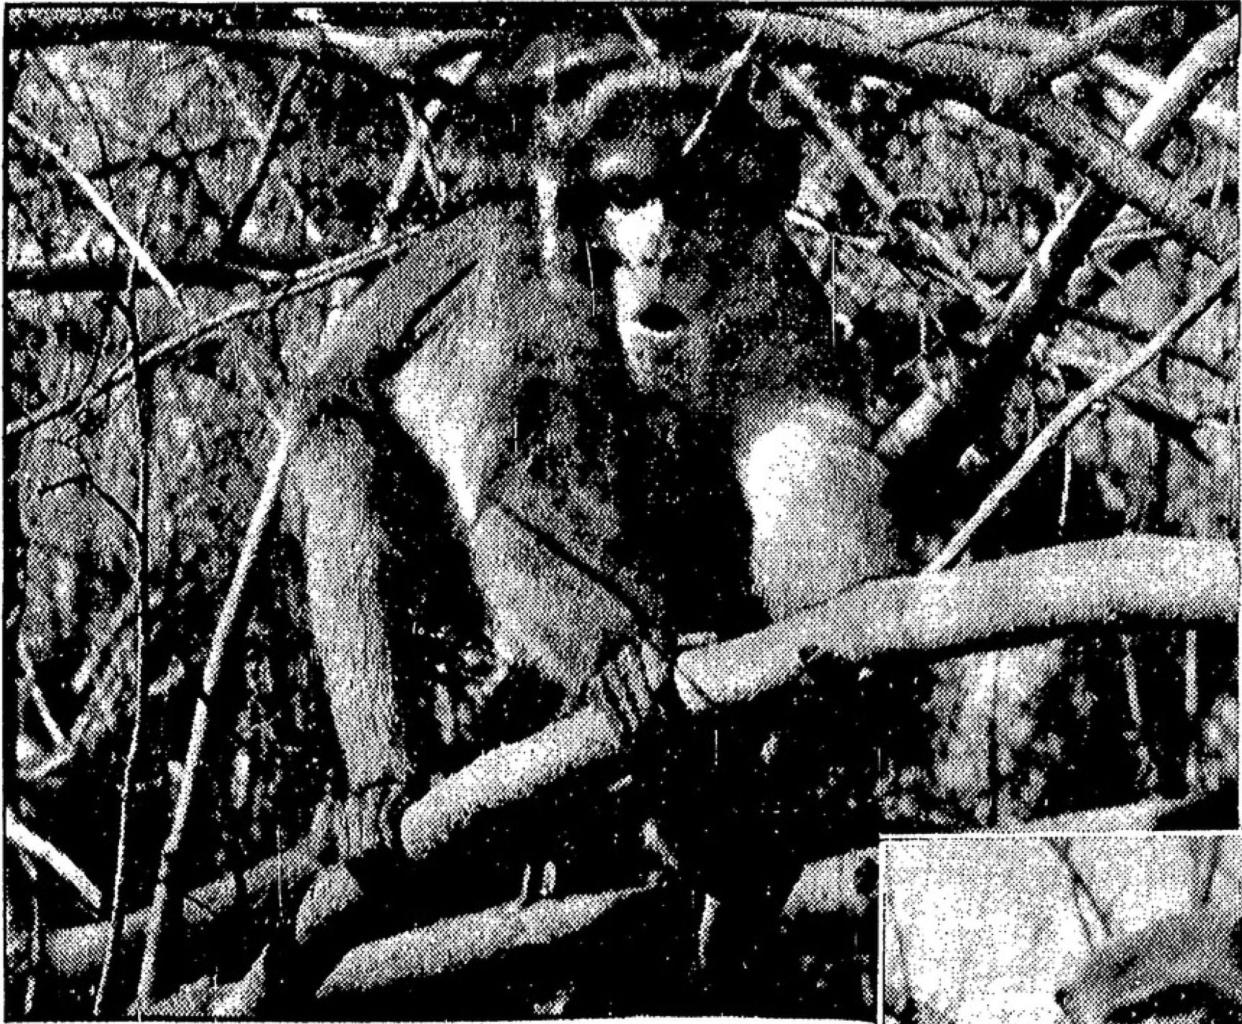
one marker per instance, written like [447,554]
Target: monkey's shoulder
[448,280]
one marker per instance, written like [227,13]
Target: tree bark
[1021,599]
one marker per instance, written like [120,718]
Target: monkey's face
[676,220]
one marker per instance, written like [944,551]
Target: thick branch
[457,942]
[1015,600]
[936,423]
[21,837]
[268,894]
[1060,58]
[978,78]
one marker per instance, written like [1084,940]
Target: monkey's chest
[689,521]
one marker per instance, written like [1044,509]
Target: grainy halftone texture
[504,507]
[1088,929]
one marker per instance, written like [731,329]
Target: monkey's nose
[1060,996]
[661,318]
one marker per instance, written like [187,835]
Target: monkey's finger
[611,692]
[635,688]
[600,689]
[658,668]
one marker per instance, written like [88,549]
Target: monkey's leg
[816,496]
[347,552]
[346,547]
[821,523]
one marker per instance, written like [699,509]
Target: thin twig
[24,839]
[939,26]
[311,279]
[733,65]
[1133,336]
[83,480]
[1103,919]
[142,584]
[645,41]
[102,207]
[234,604]
[217,71]
[935,250]
[263,158]
[1210,866]
[1069,415]
[89,113]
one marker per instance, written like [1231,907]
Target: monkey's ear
[764,94]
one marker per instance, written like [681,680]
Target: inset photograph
[1051,929]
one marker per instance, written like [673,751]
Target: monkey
[612,374]
[1184,966]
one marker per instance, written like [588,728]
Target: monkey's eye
[626,192]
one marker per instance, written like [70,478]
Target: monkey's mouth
[661,318]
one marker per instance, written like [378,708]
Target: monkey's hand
[369,818]
[636,685]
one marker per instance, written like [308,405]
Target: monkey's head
[660,192]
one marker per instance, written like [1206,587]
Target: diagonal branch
[973,75]
[455,943]
[102,207]
[1043,67]
[940,423]
[930,246]
[263,158]
[1014,600]
[312,279]
[1061,423]
[20,836]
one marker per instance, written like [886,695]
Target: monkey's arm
[415,298]
[345,548]
[816,492]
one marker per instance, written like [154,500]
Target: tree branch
[24,839]
[312,279]
[453,943]
[234,604]
[972,76]
[263,158]
[267,896]
[930,247]
[102,207]
[1009,601]
[937,424]
[144,418]
[1073,410]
